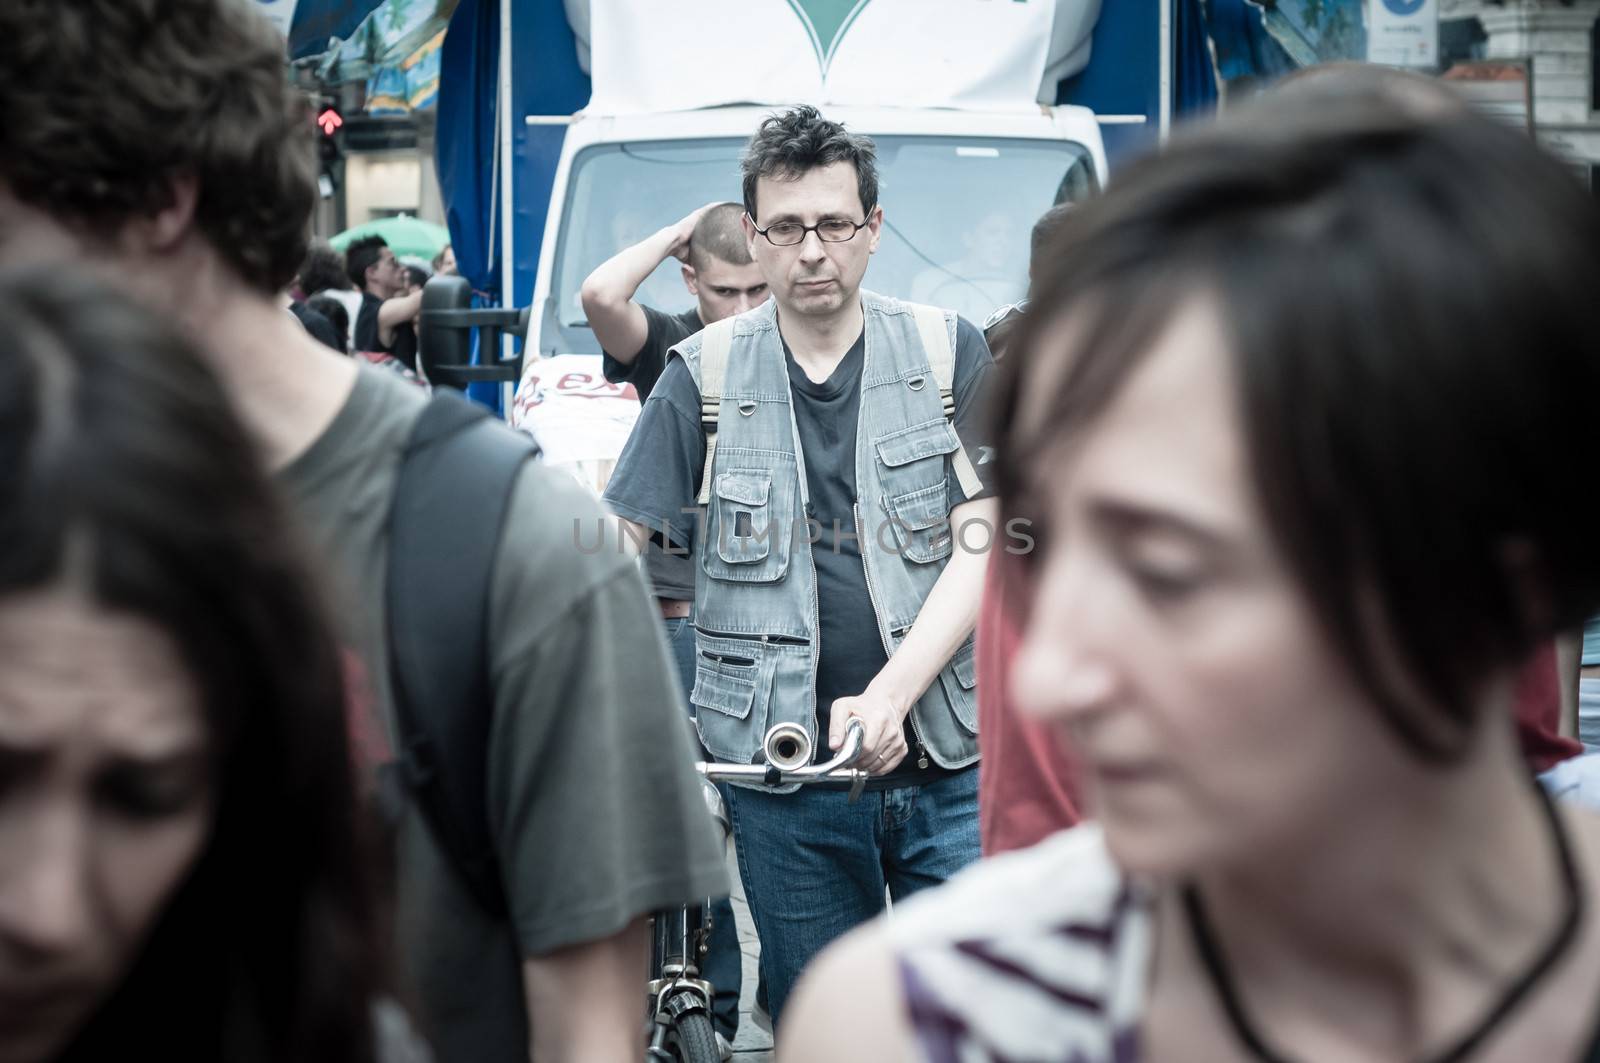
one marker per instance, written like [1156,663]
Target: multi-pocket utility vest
[755,585]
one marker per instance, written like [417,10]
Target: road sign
[1403,32]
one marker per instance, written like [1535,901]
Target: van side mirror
[439,343]
[444,336]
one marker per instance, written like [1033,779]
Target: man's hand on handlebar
[883,744]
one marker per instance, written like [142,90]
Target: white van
[960,191]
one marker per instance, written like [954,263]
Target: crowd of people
[364,300]
[1225,596]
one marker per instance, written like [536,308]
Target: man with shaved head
[717,270]
[635,339]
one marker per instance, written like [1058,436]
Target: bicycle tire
[695,1038]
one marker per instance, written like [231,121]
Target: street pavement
[753,1045]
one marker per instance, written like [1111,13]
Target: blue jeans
[815,866]
[1589,714]
[724,964]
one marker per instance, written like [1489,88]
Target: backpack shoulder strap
[450,502]
[714,348]
[933,328]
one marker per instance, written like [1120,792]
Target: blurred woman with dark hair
[1297,422]
[180,860]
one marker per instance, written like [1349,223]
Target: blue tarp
[1245,50]
[542,41]
[1194,80]
[464,145]
[1124,72]
[318,21]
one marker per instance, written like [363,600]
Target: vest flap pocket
[746,488]
[747,525]
[922,509]
[918,442]
[958,678]
[921,523]
[722,690]
[964,665]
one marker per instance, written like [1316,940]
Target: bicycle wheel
[695,1037]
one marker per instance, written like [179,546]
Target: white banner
[279,12]
[573,411]
[1403,32]
[670,55]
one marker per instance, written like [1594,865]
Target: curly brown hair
[105,102]
[798,140]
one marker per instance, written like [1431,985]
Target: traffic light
[330,137]
[330,143]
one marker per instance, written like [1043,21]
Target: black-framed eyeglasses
[828,230]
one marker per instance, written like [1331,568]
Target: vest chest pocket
[915,498]
[921,523]
[913,458]
[749,528]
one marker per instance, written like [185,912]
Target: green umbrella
[404,234]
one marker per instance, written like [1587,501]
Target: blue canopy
[318,21]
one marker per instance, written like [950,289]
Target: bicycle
[680,1028]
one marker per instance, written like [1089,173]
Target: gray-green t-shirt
[595,808]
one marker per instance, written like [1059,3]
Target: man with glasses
[841,549]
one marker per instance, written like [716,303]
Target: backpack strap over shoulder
[450,504]
[714,348]
[934,331]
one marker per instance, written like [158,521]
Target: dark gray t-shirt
[671,571]
[663,331]
[366,329]
[658,476]
[597,813]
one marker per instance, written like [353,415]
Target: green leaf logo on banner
[827,21]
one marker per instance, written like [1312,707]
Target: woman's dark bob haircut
[1411,295]
[115,438]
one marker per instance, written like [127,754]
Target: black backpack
[449,508]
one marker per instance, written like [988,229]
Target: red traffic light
[329,121]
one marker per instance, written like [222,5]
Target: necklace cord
[1228,995]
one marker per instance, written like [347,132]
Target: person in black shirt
[385,321]
[717,270]
[317,323]
[634,339]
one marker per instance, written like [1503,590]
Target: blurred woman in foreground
[1298,422]
[179,873]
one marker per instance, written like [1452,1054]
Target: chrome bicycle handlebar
[773,773]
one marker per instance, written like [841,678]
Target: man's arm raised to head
[396,312]
[607,293]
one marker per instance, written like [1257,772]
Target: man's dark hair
[107,102]
[361,256]
[719,235]
[1409,304]
[799,140]
[337,316]
[322,270]
[111,429]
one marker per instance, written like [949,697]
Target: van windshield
[957,215]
